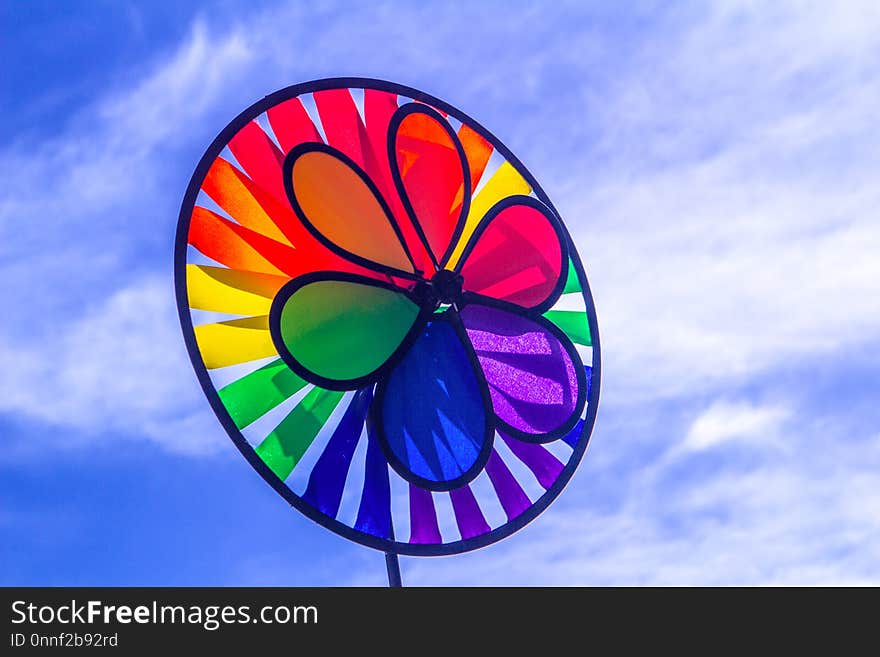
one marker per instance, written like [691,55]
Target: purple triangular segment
[511,495]
[422,517]
[468,516]
[536,458]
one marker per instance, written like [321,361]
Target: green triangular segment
[282,449]
[572,282]
[573,323]
[254,395]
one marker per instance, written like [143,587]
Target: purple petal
[532,378]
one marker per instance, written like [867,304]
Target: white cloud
[800,518]
[734,421]
[727,212]
[108,153]
[75,212]
[118,372]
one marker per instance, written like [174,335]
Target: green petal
[343,330]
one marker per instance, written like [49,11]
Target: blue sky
[716,162]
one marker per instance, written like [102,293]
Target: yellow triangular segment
[505,182]
[236,341]
[231,291]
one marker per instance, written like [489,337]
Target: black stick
[393,566]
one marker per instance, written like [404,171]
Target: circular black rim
[180,248]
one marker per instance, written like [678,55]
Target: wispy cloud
[115,372]
[725,421]
[729,228]
[799,517]
[95,345]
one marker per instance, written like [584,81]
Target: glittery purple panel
[531,377]
[536,458]
[468,516]
[422,517]
[511,495]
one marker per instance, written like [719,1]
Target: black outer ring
[180,247]
[291,287]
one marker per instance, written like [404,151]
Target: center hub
[447,286]
[444,287]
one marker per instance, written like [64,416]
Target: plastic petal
[516,255]
[432,411]
[338,331]
[430,168]
[535,377]
[336,199]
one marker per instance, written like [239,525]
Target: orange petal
[333,196]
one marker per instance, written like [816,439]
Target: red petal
[431,171]
[515,254]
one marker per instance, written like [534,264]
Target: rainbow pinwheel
[387,316]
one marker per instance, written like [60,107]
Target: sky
[715,162]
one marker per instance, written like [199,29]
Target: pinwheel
[387,316]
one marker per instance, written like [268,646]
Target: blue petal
[433,410]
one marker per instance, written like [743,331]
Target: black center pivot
[444,287]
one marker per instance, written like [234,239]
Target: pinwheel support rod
[393,566]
